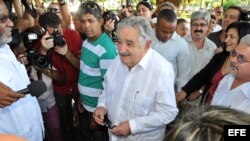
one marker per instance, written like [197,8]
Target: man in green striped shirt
[98,51]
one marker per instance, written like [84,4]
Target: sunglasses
[53,10]
[91,5]
[240,58]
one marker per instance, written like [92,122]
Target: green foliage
[228,3]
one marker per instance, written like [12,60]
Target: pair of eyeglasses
[197,25]
[91,5]
[53,10]
[4,18]
[218,11]
[240,58]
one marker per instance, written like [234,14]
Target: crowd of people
[132,75]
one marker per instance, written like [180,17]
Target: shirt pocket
[142,104]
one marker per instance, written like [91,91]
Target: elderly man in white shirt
[19,115]
[138,94]
[171,46]
[234,89]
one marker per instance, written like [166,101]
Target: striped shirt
[95,58]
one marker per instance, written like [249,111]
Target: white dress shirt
[23,117]
[144,95]
[176,51]
[199,57]
[237,98]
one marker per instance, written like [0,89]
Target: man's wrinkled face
[199,29]
[129,47]
[5,25]
[240,61]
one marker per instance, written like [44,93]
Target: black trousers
[70,132]
[90,130]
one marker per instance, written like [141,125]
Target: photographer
[62,46]
[110,22]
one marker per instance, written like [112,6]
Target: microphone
[35,88]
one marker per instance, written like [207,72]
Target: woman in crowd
[144,9]
[206,81]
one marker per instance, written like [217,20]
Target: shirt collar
[244,88]
[174,37]
[145,59]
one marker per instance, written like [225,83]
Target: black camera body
[58,39]
[246,16]
[37,59]
[109,16]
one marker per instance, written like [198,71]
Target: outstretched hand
[7,96]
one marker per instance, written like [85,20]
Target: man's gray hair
[168,4]
[139,23]
[201,15]
[245,40]
[90,7]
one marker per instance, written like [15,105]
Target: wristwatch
[200,91]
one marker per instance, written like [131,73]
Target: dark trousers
[52,124]
[90,131]
[66,113]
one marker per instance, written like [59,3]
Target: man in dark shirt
[232,14]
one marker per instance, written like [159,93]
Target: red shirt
[214,84]
[63,66]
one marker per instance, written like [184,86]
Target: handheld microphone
[35,88]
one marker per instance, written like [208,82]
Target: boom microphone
[35,88]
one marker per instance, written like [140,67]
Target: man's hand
[7,96]
[180,96]
[109,25]
[47,41]
[98,115]
[122,129]
[194,96]
[218,50]
[63,50]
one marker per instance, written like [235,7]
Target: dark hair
[168,15]
[146,4]
[92,8]
[238,9]
[213,17]
[49,19]
[243,28]
[181,20]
